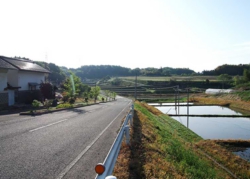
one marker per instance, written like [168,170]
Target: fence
[104,170]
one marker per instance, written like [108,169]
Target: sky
[195,34]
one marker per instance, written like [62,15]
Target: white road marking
[48,125]
[65,171]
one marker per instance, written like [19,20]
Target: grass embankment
[163,148]
[231,100]
[164,100]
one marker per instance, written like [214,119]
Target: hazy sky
[195,34]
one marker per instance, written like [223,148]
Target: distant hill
[100,71]
[57,75]
[227,69]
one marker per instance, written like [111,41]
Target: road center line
[47,125]
[65,171]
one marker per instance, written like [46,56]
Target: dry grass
[153,110]
[223,100]
[234,163]
[161,149]
[144,158]
[234,145]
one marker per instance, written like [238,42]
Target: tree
[57,75]
[207,81]
[80,88]
[114,95]
[116,81]
[95,91]
[224,78]
[47,90]
[86,96]
[246,74]
[106,92]
[238,80]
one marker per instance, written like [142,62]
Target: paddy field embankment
[161,147]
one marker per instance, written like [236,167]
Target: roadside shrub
[64,105]
[86,100]
[48,90]
[65,98]
[48,103]
[36,103]
[72,100]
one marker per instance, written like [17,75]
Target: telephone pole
[135,85]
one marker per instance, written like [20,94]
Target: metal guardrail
[105,169]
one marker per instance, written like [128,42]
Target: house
[19,80]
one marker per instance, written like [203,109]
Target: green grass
[177,142]
[64,105]
[244,95]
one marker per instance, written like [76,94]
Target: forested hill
[57,75]
[228,69]
[100,71]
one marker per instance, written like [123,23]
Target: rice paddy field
[168,78]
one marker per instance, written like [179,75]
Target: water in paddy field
[218,127]
[199,110]
[244,154]
[212,127]
[169,104]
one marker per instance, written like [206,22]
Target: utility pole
[175,99]
[135,85]
[187,107]
[178,94]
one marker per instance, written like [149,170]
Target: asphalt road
[66,144]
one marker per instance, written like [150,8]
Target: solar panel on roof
[5,65]
[26,65]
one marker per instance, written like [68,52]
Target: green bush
[72,100]
[36,103]
[64,105]
[48,103]
[65,98]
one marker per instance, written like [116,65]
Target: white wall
[3,79]
[29,77]
[12,77]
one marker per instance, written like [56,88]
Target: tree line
[59,74]
[100,71]
[232,70]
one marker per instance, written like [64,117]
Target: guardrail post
[126,130]
[132,108]
[131,119]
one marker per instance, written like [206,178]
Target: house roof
[22,64]
[5,65]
